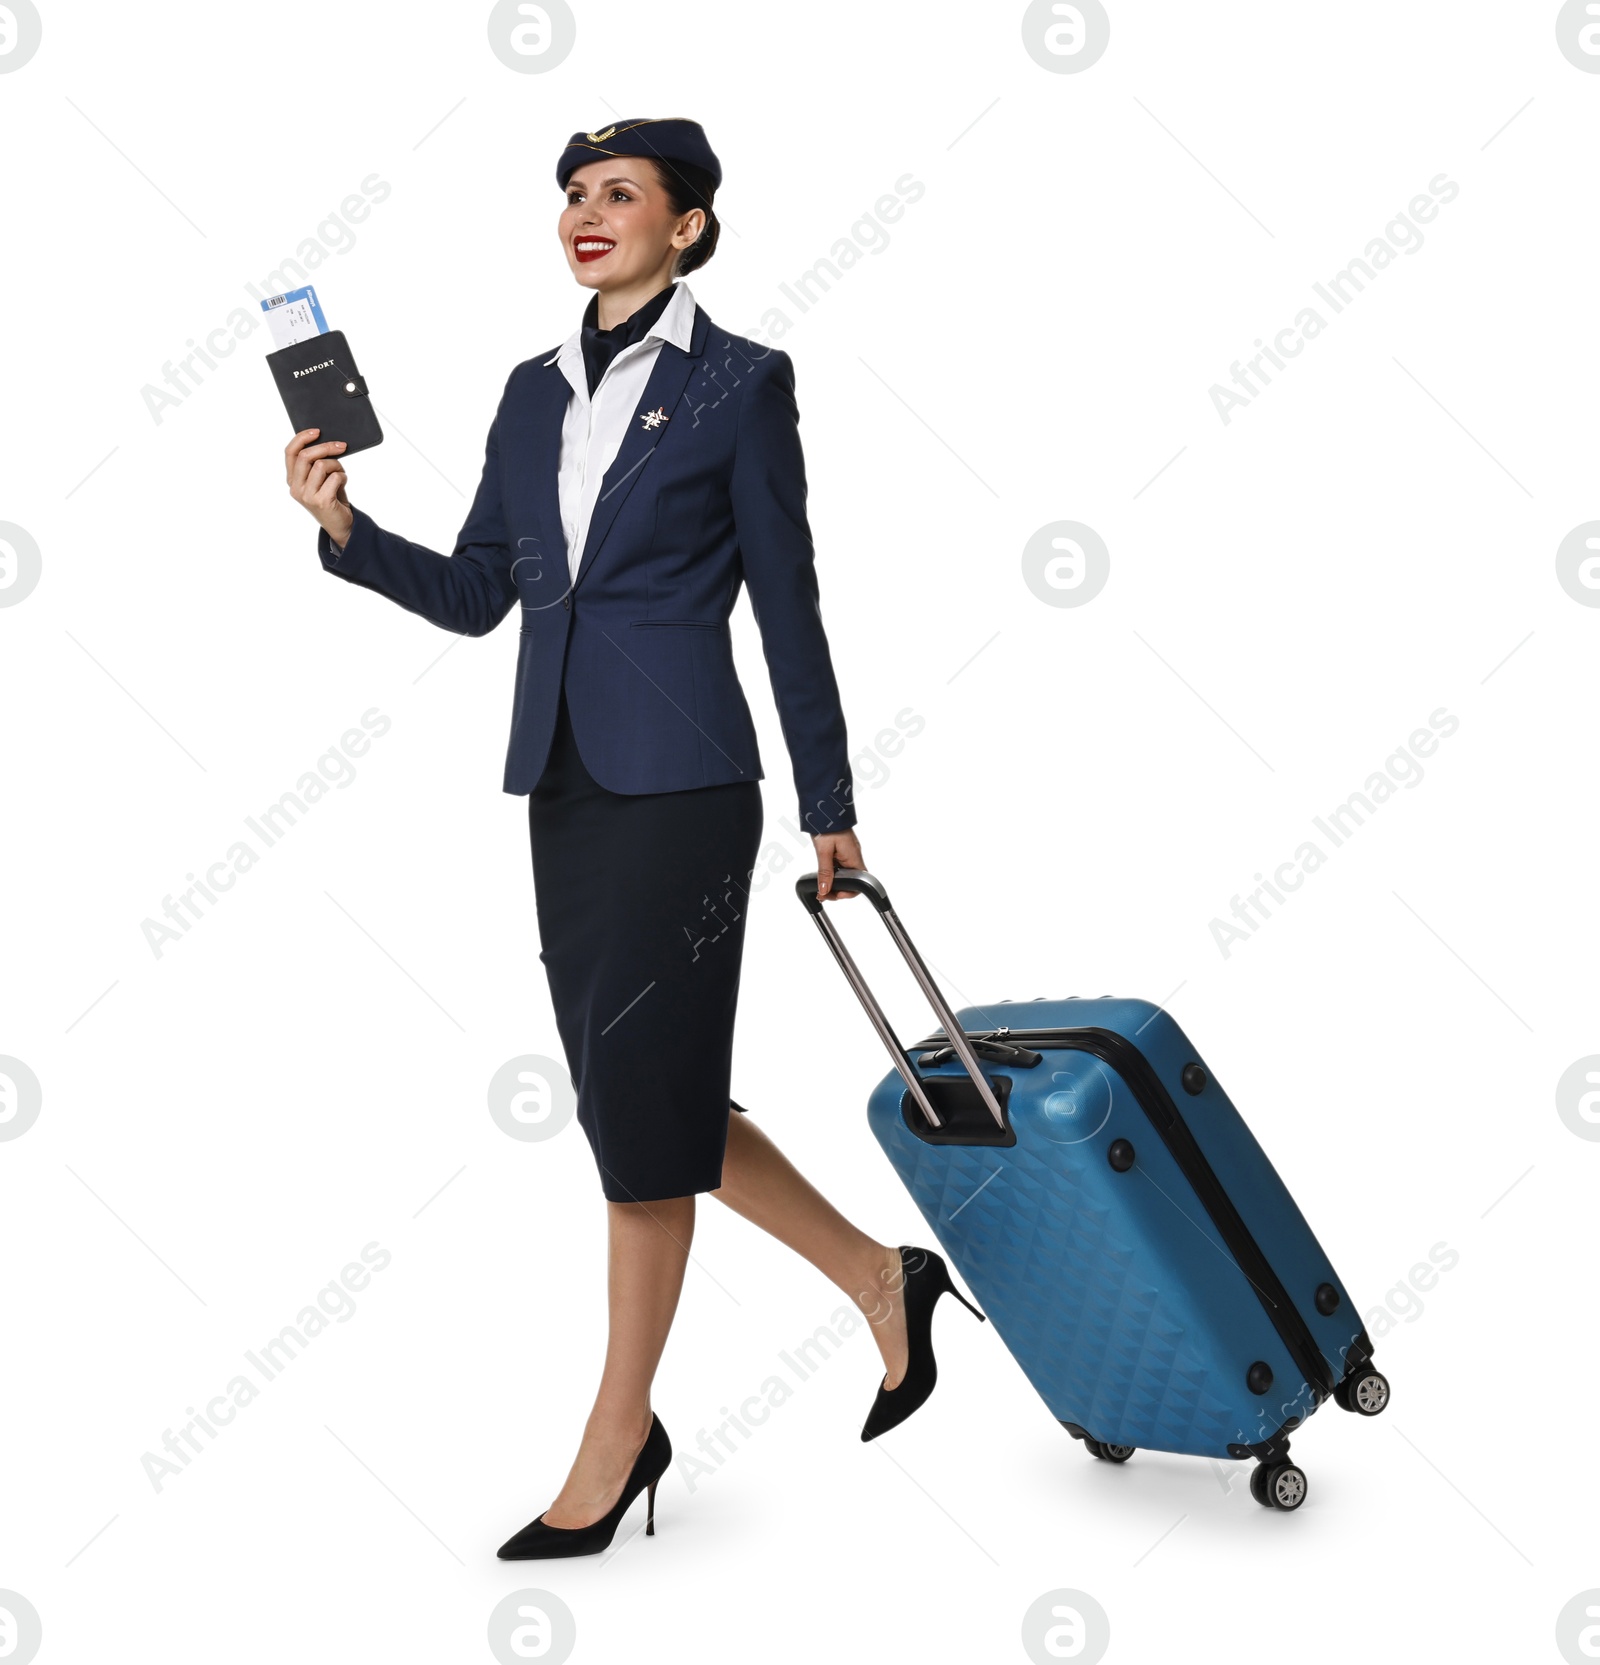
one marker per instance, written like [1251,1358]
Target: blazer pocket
[676,624]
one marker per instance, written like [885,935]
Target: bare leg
[759,1182]
[648,1250]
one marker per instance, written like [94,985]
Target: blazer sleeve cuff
[831,812]
[357,548]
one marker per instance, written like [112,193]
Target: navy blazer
[693,506]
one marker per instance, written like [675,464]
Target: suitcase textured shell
[1113,1286]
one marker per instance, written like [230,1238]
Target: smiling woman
[642,475]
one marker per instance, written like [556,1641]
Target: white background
[225,1125]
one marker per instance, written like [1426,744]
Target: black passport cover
[322,388]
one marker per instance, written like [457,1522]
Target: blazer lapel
[669,375]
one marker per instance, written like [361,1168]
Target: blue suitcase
[1117,1220]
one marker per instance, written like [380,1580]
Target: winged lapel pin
[653,419]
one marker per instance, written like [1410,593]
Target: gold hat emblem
[596,138]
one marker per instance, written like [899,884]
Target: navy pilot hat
[665,139]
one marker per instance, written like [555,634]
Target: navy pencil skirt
[641,901]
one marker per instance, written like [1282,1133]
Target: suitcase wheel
[1366,1393]
[1107,1452]
[1278,1485]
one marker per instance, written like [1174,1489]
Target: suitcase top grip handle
[845,881]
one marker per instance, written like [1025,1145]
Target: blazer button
[566,601]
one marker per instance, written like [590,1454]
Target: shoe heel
[950,1289]
[650,1512]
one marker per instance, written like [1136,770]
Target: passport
[322,388]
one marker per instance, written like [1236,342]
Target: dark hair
[686,187]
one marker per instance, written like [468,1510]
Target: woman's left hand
[835,850]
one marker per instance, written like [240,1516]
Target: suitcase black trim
[1162,1112]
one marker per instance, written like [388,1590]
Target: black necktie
[601,346]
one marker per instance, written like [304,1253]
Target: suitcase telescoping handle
[864,884]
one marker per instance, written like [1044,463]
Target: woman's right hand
[317,482]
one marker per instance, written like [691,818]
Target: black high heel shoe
[926,1278]
[539,1542]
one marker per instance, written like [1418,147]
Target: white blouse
[591,433]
